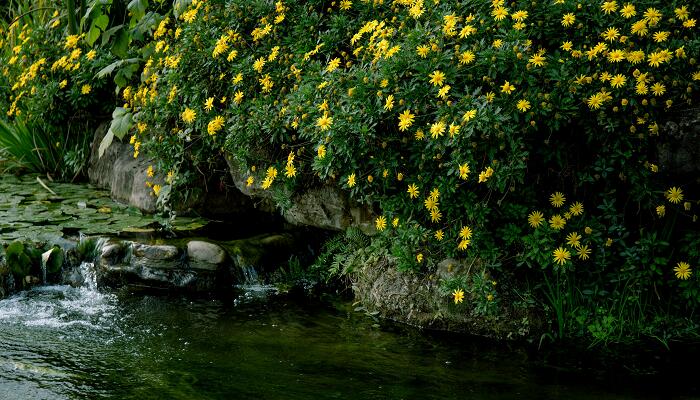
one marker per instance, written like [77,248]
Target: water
[58,342]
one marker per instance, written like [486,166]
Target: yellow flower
[259,64]
[439,235]
[188,115]
[380,223]
[437,78]
[588,230]
[209,104]
[573,239]
[523,105]
[467,57]
[321,151]
[674,195]
[437,129]
[431,203]
[333,65]
[351,180]
[557,199]
[683,270]
[405,120]
[156,189]
[71,41]
[419,257]
[423,50]
[63,84]
[464,171]
[465,232]
[85,89]
[412,191]
[628,11]
[568,19]
[458,296]
[535,219]
[463,244]
[557,222]
[215,125]
[238,97]
[485,174]
[681,13]
[576,209]
[583,252]
[469,115]
[499,13]
[442,93]
[395,222]
[435,215]
[389,104]
[608,242]
[567,45]
[658,89]
[618,81]
[91,55]
[537,60]
[324,122]
[609,7]
[610,34]
[561,255]
[250,181]
[661,210]
[507,88]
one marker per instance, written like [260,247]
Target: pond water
[58,342]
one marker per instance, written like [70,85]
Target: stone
[324,207]
[419,300]
[122,174]
[162,266]
[679,148]
[205,255]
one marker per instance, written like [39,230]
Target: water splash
[89,274]
[250,275]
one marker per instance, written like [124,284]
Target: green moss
[18,261]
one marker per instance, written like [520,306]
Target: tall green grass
[28,147]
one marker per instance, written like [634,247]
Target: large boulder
[119,172]
[419,300]
[125,177]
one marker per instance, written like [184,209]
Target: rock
[162,266]
[125,177]
[450,268]
[119,172]
[419,300]
[205,255]
[679,148]
[324,207]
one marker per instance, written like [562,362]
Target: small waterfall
[87,270]
[43,271]
[250,275]
[10,283]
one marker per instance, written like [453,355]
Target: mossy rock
[18,261]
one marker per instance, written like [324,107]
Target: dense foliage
[522,134]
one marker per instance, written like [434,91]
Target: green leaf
[105,143]
[138,8]
[101,22]
[92,35]
[121,44]
[121,122]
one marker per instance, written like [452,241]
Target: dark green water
[58,342]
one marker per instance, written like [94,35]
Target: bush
[523,134]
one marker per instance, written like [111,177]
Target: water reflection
[59,342]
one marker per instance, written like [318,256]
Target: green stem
[72,25]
